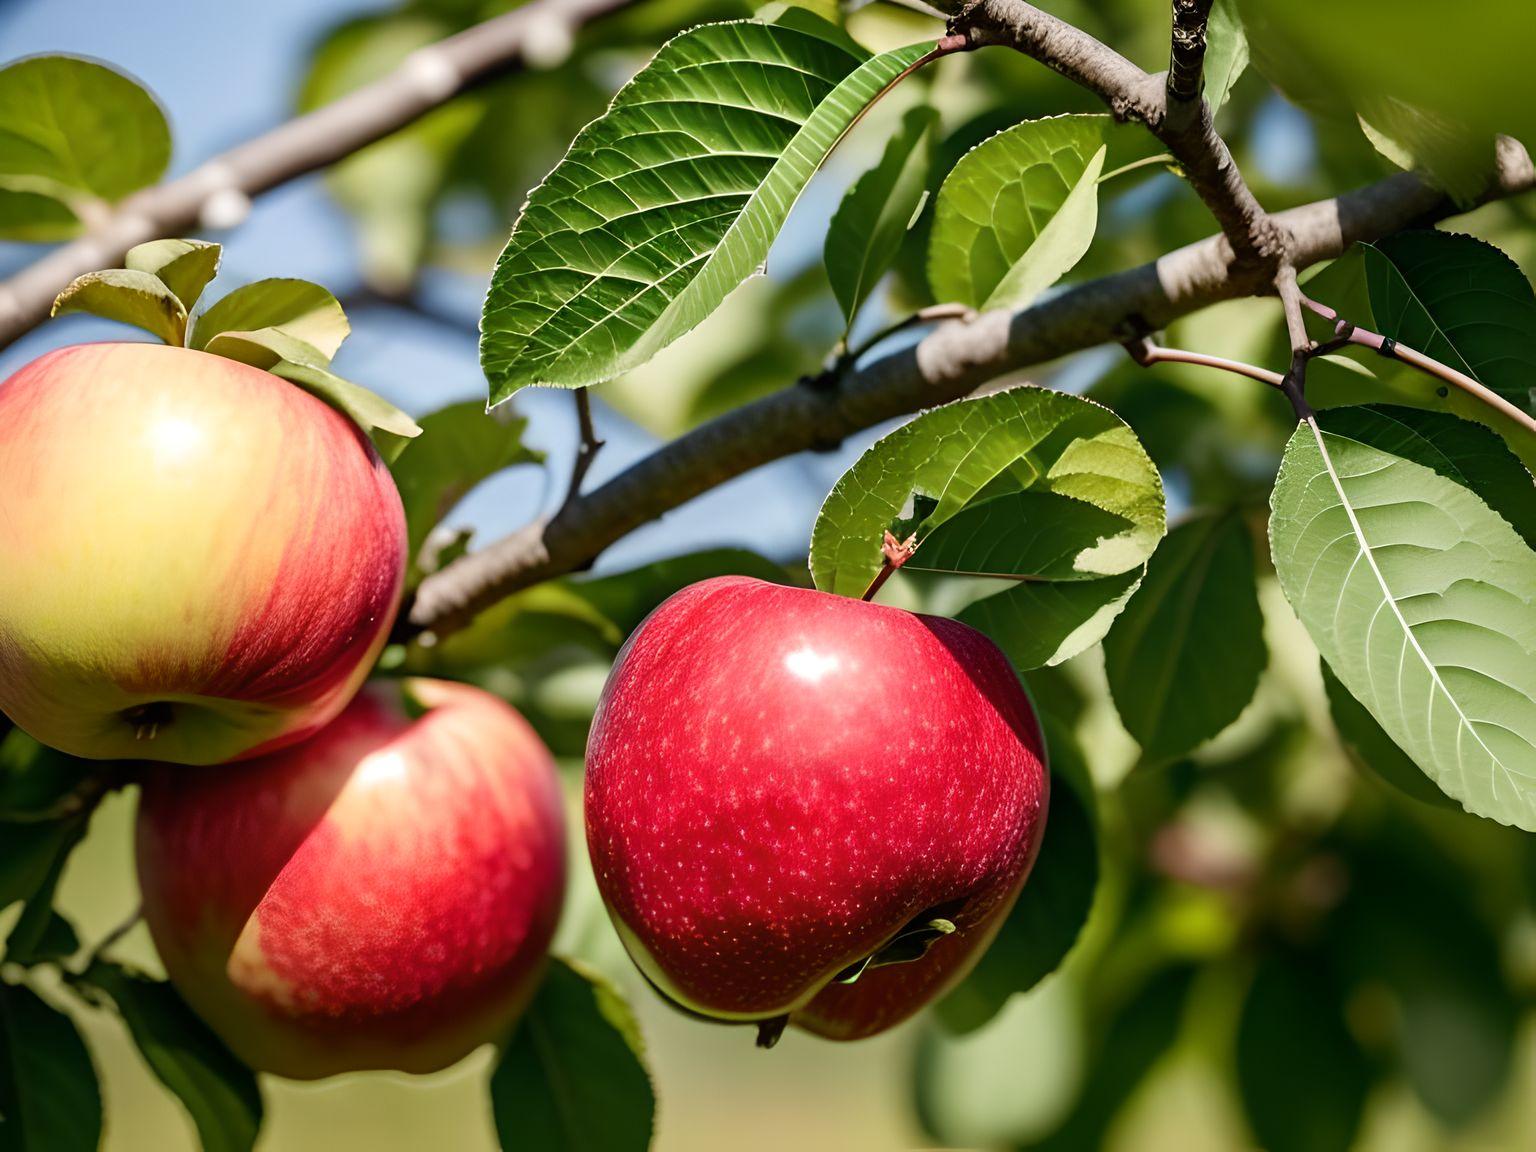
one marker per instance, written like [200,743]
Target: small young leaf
[49,1099]
[1053,908]
[81,126]
[868,226]
[992,220]
[672,198]
[1372,750]
[460,446]
[1184,658]
[572,1077]
[35,217]
[1418,593]
[217,1090]
[296,308]
[1039,489]
[1226,52]
[183,266]
[135,298]
[275,350]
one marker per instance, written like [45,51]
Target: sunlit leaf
[671,199]
[1421,597]
[1017,212]
[82,126]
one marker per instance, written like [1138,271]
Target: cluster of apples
[799,807]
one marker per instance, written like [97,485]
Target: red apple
[380,896]
[202,560]
[781,781]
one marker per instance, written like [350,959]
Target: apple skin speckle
[779,780]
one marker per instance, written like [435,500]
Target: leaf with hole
[79,127]
[672,198]
[572,1078]
[1184,658]
[1017,212]
[867,230]
[1418,593]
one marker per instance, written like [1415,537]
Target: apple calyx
[290,328]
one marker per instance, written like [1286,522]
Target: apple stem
[769,1031]
[896,553]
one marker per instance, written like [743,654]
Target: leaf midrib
[1370,558]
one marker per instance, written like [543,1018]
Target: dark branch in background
[587,444]
[217,193]
[957,357]
[1132,94]
[1186,59]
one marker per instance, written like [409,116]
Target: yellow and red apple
[783,785]
[379,896]
[202,561]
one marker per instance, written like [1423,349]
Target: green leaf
[129,297]
[1418,593]
[49,1100]
[1184,658]
[671,199]
[460,446]
[81,126]
[296,308]
[36,936]
[1226,52]
[218,1091]
[1302,1077]
[1030,486]
[35,217]
[572,1077]
[34,778]
[868,226]
[275,350]
[1372,750]
[1054,906]
[1459,300]
[996,242]
[183,266]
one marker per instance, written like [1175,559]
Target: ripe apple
[380,896]
[202,560]
[783,783]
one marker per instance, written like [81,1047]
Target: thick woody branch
[1132,94]
[954,359]
[218,193]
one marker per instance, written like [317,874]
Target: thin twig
[587,445]
[217,194]
[1146,353]
[1347,332]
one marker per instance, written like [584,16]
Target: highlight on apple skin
[202,561]
[788,790]
[381,896]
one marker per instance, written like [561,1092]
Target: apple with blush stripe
[804,808]
[379,896]
[202,561]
